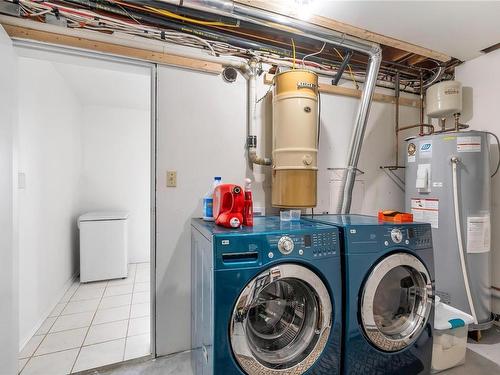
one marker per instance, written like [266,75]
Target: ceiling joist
[280,7]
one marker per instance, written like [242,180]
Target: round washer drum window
[396,302]
[281,321]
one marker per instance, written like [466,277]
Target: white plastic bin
[450,337]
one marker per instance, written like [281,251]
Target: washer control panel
[309,245]
[396,235]
[285,245]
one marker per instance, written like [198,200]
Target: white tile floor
[95,324]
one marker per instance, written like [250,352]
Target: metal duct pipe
[358,133]
[304,29]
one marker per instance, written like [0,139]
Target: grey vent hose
[454,161]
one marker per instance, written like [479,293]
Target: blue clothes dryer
[388,273]
[267,299]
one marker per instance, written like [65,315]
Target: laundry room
[249,187]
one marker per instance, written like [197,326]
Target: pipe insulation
[322,34]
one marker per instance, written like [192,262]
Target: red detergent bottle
[248,212]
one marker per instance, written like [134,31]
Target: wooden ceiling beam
[394,55]
[280,7]
[114,49]
[353,93]
[414,60]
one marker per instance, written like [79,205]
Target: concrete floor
[475,364]
[180,364]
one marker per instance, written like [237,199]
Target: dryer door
[396,302]
[281,321]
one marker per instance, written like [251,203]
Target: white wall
[201,134]
[116,169]
[76,157]
[481,82]
[50,159]
[8,232]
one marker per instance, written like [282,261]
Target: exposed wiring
[267,92]
[349,68]
[129,22]
[313,54]
[128,14]
[176,16]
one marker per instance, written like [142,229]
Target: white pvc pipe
[454,162]
[251,76]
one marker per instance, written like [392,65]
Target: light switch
[171,178]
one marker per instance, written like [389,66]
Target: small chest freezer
[103,245]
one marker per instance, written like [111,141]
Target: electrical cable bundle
[141,19]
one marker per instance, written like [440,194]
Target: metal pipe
[452,129]
[301,28]
[359,131]
[457,121]
[421,104]
[421,126]
[396,126]
[442,122]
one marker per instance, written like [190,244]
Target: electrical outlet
[171,178]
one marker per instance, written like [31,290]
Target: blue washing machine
[267,299]
[388,276]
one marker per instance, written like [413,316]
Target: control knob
[396,235]
[285,245]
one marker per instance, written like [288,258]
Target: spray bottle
[248,210]
[208,200]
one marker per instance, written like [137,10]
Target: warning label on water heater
[478,234]
[469,144]
[426,210]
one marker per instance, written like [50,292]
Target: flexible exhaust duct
[290,25]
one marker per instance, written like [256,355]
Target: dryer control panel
[375,238]
[414,236]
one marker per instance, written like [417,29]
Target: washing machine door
[396,302]
[281,321]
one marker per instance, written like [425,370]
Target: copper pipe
[396,128]
[445,130]
[421,126]
[442,121]
[457,121]
[422,105]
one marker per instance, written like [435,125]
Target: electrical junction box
[171,178]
